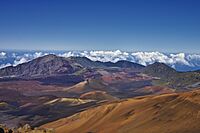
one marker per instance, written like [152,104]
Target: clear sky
[129,25]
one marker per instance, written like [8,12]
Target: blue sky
[129,25]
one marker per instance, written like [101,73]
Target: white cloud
[14,55]
[5,65]
[37,54]
[106,56]
[68,54]
[33,55]
[179,58]
[194,59]
[2,55]
[103,56]
[20,61]
[146,58]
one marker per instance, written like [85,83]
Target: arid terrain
[99,66]
[167,113]
[77,95]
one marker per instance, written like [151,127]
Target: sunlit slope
[98,95]
[169,113]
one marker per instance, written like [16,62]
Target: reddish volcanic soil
[30,87]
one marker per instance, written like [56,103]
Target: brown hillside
[168,113]
[98,95]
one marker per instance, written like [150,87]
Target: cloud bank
[179,61]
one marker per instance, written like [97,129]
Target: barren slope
[98,95]
[168,113]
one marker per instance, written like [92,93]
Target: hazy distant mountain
[160,70]
[42,66]
[179,61]
[52,65]
[170,77]
[55,69]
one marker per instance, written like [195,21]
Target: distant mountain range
[52,67]
[179,61]
[170,77]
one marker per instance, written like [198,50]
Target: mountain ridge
[52,64]
[59,69]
